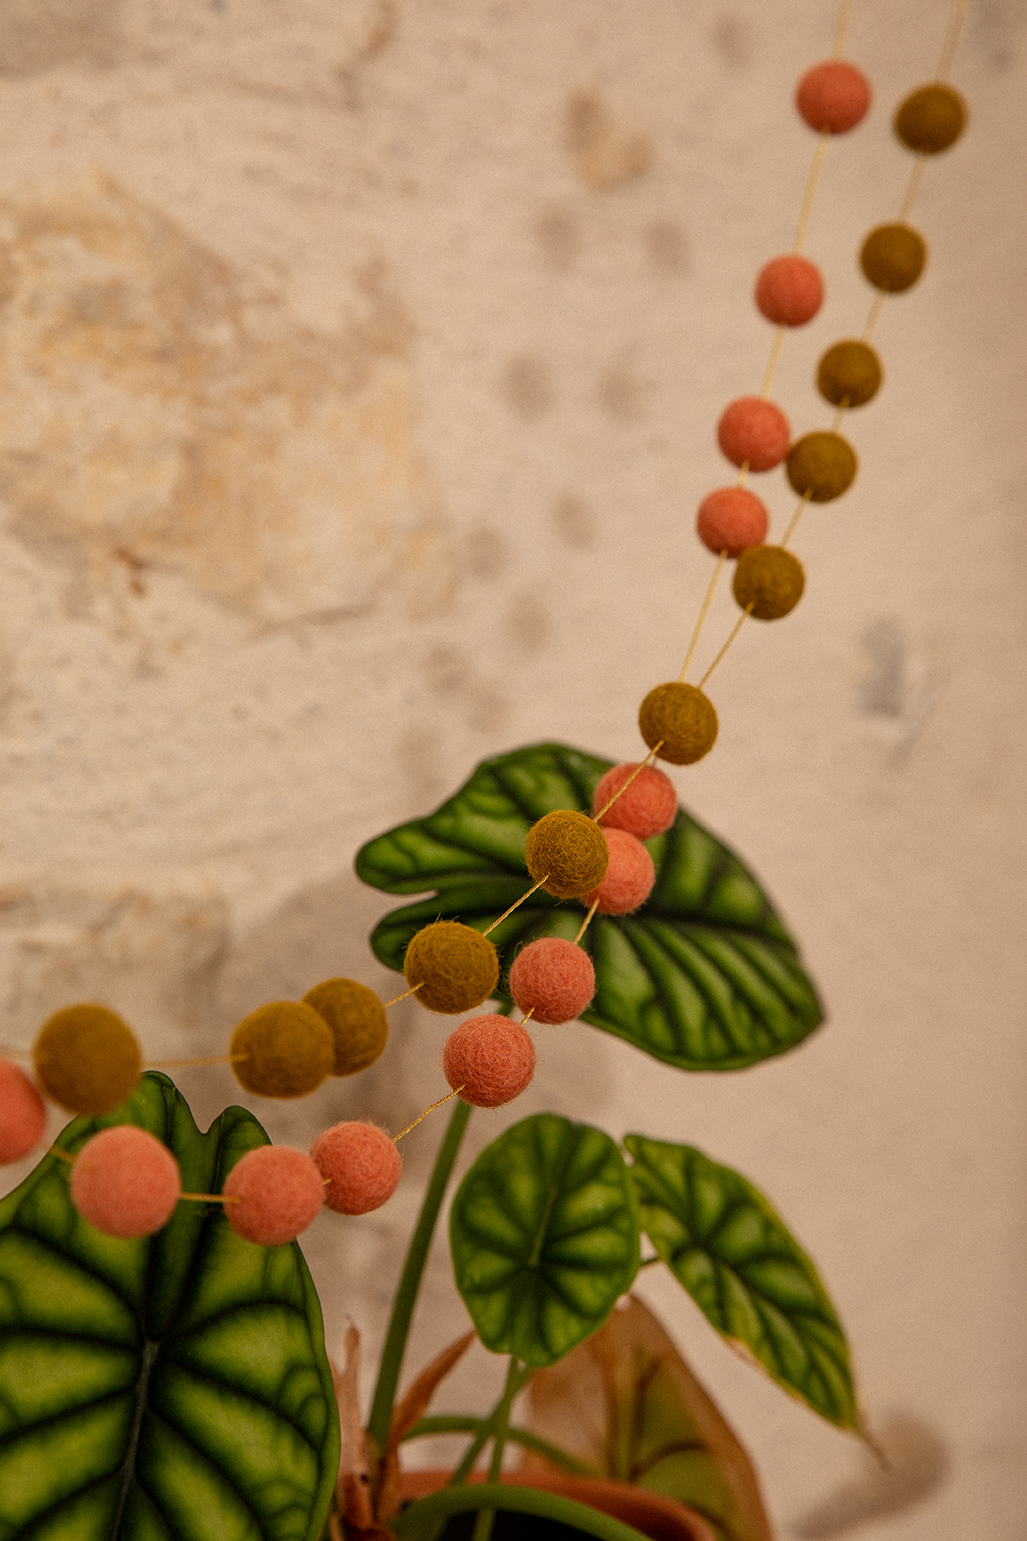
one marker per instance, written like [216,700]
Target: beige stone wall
[359,364]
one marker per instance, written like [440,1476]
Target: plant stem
[500,1423]
[459,1423]
[410,1281]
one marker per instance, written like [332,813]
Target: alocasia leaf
[704,976]
[626,1403]
[172,1388]
[724,1243]
[544,1236]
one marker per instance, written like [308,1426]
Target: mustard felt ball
[681,720]
[769,579]
[849,374]
[567,852]
[456,967]
[357,1021]
[893,258]
[822,465]
[284,1049]
[931,119]
[87,1059]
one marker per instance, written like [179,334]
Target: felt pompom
[125,1182]
[770,579]
[833,97]
[22,1114]
[87,1060]
[357,1021]
[893,258]
[730,519]
[822,465]
[648,806]
[754,432]
[681,720]
[849,374]
[278,1192]
[361,1166]
[285,1049]
[789,290]
[629,877]
[553,979]
[489,1060]
[566,849]
[456,967]
[931,119]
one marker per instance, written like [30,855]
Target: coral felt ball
[455,966]
[360,1164]
[730,519]
[893,257]
[87,1060]
[849,374]
[789,290]
[681,720]
[833,97]
[276,1190]
[284,1049]
[931,119]
[125,1182]
[552,978]
[769,579]
[629,877]
[822,465]
[566,851]
[647,806]
[754,432]
[357,1021]
[488,1060]
[22,1114]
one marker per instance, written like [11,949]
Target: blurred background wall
[360,364]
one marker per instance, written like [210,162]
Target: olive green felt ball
[822,465]
[357,1021]
[567,853]
[893,258]
[681,720]
[87,1059]
[455,966]
[931,119]
[769,579]
[849,374]
[284,1049]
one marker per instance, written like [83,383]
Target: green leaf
[544,1234]
[704,976]
[724,1243]
[172,1388]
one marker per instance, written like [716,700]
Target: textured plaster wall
[358,366]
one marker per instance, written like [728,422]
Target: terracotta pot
[660,1518]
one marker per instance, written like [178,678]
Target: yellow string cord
[212,1198]
[841,29]
[743,473]
[584,925]
[793,524]
[811,186]
[775,354]
[702,617]
[397,998]
[397,1137]
[55,1150]
[955,27]
[515,904]
[734,632]
[622,789]
[184,1064]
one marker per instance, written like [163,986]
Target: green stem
[413,1268]
[501,1425]
[416,1521]
[457,1423]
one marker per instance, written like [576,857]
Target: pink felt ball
[754,432]
[278,1191]
[629,878]
[22,1114]
[490,1060]
[789,290]
[646,808]
[125,1182]
[361,1164]
[552,978]
[731,519]
[833,97]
